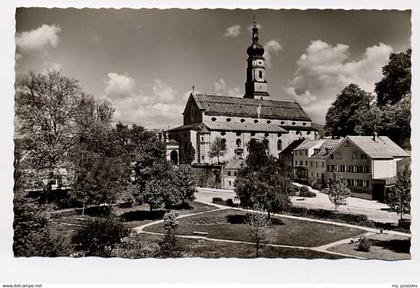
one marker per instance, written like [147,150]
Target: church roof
[214,105]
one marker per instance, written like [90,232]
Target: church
[237,120]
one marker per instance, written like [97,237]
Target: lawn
[229,224]
[210,249]
[383,247]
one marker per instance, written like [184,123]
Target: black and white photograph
[212,133]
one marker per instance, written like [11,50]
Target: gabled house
[301,156]
[367,163]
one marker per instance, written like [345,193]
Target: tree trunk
[83,209]
[257,248]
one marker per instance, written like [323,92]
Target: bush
[99,237]
[229,202]
[359,219]
[304,192]
[363,244]
[218,200]
[169,246]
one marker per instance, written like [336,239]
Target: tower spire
[256,83]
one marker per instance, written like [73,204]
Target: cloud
[324,70]
[233,31]
[221,88]
[96,38]
[38,40]
[270,48]
[48,66]
[156,106]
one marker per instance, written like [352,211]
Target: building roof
[380,148]
[325,148]
[233,126]
[172,142]
[308,144]
[235,164]
[289,149]
[214,105]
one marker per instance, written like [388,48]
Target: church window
[278,134]
[266,143]
[253,134]
[238,142]
[238,133]
[223,133]
[309,132]
[282,122]
[268,121]
[304,123]
[266,134]
[255,121]
[279,145]
[293,123]
[242,120]
[213,119]
[223,143]
[228,119]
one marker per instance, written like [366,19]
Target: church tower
[256,83]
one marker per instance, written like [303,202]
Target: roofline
[265,117]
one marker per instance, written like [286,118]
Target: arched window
[223,144]
[223,133]
[238,142]
[266,144]
[238,133]
[266,134]
[279,145]
[252,133]
[260,74]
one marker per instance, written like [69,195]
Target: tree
[343,118]
[338,191]
[263,183]
[398,197]
[396,82]
[99,237]
[258,228]
[46,110]
[217,149]
[185,182]
[169,246]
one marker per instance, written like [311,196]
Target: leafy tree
[99,237]
[338,191]
[263,184]
[396,81]
[46,111]
[343,118]
[169,246]
[217,149]
[185,182]
[257,156]
[258,228]
[398,197]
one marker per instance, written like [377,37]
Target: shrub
[229,202]
[304,192]
[363,244]
[99,237]
[218,200]
[169,246]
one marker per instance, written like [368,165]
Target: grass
[383,247]
[292,232]
[211,249]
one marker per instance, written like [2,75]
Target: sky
[146,61]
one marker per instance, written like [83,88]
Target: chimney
[374,136]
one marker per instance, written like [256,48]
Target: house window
[316,164]
[296,162]
[346,144]
[202,157]
[230,183]
[312,174]
[354,155]
[213,119]
[306,163]
[266,144]
[301,163]
[229,173]
[332,156]
[202,138]
[228,119]
[260,74]
[363,156]
[312,164]
[338,155]
[279,145]
[317,175]
[235,173]
[242,120]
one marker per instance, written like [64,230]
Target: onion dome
[256,49]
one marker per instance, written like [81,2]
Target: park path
[374,210]
[322,248]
